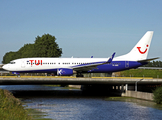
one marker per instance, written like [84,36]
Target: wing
[91,66]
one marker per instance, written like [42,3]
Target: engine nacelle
[64,72]
[16,73]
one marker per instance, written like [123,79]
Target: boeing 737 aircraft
[67,66]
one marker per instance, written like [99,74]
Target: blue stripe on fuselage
[116,66]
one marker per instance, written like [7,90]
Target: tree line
[154,64]
[44,46]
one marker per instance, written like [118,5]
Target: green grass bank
[11,108]
[140,73]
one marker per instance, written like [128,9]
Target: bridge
[124,86]
[127,83]
[28,80]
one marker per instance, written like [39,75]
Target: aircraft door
[126,64]
[23,64]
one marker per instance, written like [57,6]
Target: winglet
[111,58]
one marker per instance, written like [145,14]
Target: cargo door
[126,64]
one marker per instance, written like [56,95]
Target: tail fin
[140,50]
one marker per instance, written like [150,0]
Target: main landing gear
[79,75]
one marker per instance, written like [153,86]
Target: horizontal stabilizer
[148,60]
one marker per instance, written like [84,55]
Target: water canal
[78,107]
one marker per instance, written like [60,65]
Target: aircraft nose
[5,67]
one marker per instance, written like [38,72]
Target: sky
[83,28]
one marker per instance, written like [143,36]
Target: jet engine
[64,72]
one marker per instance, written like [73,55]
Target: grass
[140,73]
[11,108]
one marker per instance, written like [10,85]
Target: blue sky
[82,27]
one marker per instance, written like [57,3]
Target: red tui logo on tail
[139,49]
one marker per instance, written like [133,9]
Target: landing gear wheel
[79,75]
[18,75]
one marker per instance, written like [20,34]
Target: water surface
[79,107]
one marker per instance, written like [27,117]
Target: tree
[154,64]
[8,57]
[158,95]
[26,51]
[44,46]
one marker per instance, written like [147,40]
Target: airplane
[68,66]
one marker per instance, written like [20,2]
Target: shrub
[11,108]
[158,95]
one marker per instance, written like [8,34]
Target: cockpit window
[12,62]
